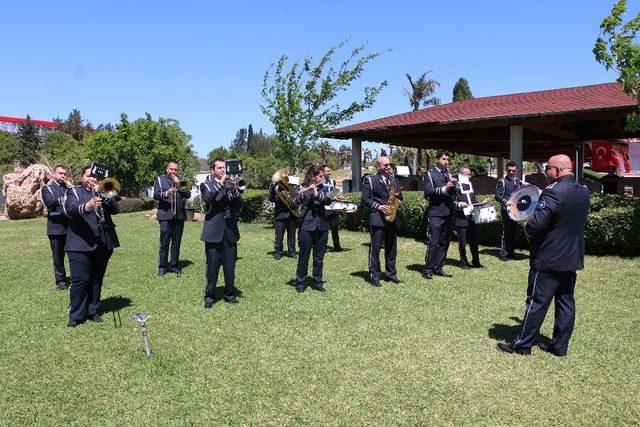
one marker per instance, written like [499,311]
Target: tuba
[285,191]
[393,200]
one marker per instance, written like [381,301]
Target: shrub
[132,204]
[256,207]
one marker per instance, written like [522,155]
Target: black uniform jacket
[160,187]
[53,198]
[557,226]
[441,202]
[281,212]
[313,215]
[374,194]
[460,219]
[221,218]
[504,188]
[85,229]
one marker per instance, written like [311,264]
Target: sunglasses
[548,167]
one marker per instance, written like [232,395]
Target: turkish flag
[600,155]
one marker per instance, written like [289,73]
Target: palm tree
[421,90]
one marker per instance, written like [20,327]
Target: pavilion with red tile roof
[527,126]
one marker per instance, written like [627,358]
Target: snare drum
[484,214]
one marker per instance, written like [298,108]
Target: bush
[133,204]
[256,207]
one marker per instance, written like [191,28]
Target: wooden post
[515,147]
[356,163]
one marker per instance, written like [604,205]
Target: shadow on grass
[496,253]
[184,263]
[361,274]
[330,249]
[502,332]
[113,305]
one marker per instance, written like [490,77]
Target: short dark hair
[217,159]
[61,166]
[173,161]
[84,169]
[441,153]
[511,163]
[326,166]
[462,168]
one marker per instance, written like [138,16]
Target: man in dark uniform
[171,216]
[53,198]
[283,221]
[220,232]
[91,238]
[440,190]
[375,195]
[556,229]
[465,226]
[504,188]
[332,217]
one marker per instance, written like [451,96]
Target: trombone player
[171,194]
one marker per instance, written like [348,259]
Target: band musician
[91,239]
[283,220]
[171,216]
[53,198]
[375,195]
[332,217]
[504,188]
[220,233]
[466,228]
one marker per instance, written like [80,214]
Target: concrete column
[579,160]
[356,163]
[515,147]
[500,168]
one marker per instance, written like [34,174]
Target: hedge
[613,225]
[131,204]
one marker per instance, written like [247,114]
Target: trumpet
[108,188]
[236,182]
[184,185]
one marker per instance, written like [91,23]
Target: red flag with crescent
[600,155]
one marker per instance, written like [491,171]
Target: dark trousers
[57,250]
[170,235]
[334,223]
[220,254]
[87,273]
[288,225]
[545,286]
[380,236]
[468,234]
[308,240]
[438,236]
[508,240]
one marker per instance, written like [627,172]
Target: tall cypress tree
[461,90]
[29,139]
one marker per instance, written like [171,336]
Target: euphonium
[286,193]
[108,188]
[393,200]
[184,185]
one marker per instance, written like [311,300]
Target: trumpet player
[375,195]
[283,220]
[171,216]
[91,239]
[440,190]
[220,233]
[313,229]
[53,198]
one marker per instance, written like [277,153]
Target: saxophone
[393,200]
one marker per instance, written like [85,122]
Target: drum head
[525,200]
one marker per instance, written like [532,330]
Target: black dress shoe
[161,272]
[338,249]
[231,300]
[176,270]
[442,273]
[291,254]
[548,348]
[427,276]
[96,318]
[277,256]
[465,266]
[61,286]
[509,348]
[503,258]
[375,282]
[319,288]
[208,304]
[72,323]
[394,280]
[300,289]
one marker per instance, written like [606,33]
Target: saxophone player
[376,191]
[171,216]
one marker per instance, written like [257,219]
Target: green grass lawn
[415,353]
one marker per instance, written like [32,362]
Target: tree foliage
[9,148]
[29,142]
[300,100]
[75,125]
[617,48]
[461,90]
[421,91]
[61,148]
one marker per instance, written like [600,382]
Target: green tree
[263,145]
[461,90]
[421,90]
[617,48]
[9,148]
[217,153]
[29,142]
[250,137]
[75,125]
[239,143]
[62,148]
[300,101]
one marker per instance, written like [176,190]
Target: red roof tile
[44,123]
[546,102]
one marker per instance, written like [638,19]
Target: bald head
[384,165]
[558,166]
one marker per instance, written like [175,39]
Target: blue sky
[202,62]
